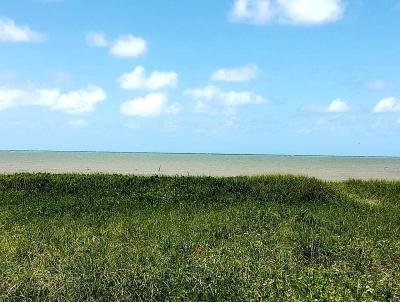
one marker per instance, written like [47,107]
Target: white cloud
[79,101]
[11,32]
[128,47]
[242,74]
[338,106]
[77,123]
[209,97]
[311,11]
[152,105]
[9,97]
[73,102]
[390,104]
[252,11]
[287,11]
[398,121]
[96,39]
[137,80]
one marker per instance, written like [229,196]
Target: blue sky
[226,76]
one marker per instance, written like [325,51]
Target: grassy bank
[273,238]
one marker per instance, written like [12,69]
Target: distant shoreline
[203,153]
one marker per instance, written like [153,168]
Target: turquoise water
[324,167]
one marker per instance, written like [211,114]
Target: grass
[272,238]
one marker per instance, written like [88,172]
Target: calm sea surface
[329,168]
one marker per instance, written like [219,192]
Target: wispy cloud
[241,74]
[376,85]
[252,11]
[10,32]
[96,39]
[137,79]
[306,12]
[77,123]
[73,102]
[211,99]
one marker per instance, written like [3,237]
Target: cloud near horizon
[73,102]
[209,98]
[10,32]
[300,12]
[152,105]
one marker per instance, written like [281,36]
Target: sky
[296,77]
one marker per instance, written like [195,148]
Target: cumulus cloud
[391,104]
[311,11]
[210,97]
[137,79]
[13,33]
[338,106]
[9,97]
[152,105]
[128,47]
[73,102]
[96,39]
[241,74]
[287,11]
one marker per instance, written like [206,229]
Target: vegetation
[125,238]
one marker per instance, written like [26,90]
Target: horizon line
[199,153]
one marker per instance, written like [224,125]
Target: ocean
[323,167]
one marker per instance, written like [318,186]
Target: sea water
[323,167]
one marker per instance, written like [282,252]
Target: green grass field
[272,238]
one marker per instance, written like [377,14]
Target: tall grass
[125,238]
